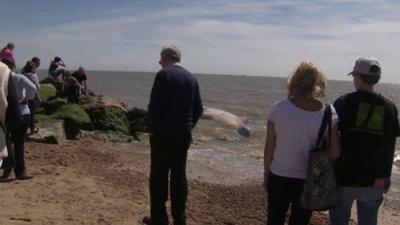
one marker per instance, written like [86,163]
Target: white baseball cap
[367,66]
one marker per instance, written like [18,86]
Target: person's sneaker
[146,220]
[6,176]
[23,176]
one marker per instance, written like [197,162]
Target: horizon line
[217,74]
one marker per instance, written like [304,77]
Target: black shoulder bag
[319,192]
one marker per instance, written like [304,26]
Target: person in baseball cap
[368,125]
[368,68]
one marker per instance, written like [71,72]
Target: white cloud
[260,38]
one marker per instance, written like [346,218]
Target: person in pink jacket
[7,51]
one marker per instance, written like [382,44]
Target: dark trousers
[18,139]
[282,193]
[168,156]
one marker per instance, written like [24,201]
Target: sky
[251,37]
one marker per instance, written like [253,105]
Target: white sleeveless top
[4,75]
[296,134]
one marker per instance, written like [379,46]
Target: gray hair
[171,52]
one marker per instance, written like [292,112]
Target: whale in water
[228,119]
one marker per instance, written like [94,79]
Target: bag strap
[3,128]
[326,122]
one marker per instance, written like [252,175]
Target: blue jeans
[368,200]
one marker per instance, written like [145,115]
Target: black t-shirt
[79,77]
[368,125]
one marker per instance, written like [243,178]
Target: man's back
[175,105]
[368,126]
[174,109]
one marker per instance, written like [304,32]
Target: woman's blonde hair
[307,81]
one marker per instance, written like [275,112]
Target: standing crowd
[362,143]
[359,139]
[19,100]
[18,91]
[360,136]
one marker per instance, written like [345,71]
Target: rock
[47,91]
[109,102]
[141,136]
[105,117]
[51,100]
[50,131]
[100,117]
[50,81]
[109,118]
[138,121]
[75,119]
[53,104]
[87,100]
[40,110]
[108,136]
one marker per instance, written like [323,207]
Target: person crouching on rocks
[72,88]
[81,77]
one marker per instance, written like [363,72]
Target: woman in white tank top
[292,130]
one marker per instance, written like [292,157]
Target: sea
[217,145]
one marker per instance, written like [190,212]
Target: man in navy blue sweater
[174,109]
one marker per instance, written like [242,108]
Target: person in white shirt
[9,110]
[26,90]
[292,130]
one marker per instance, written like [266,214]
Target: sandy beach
[91,182]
